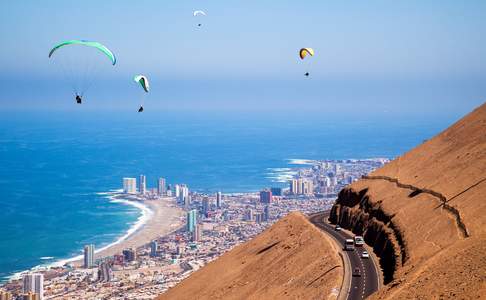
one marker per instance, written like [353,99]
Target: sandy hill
[290,260]
[425,215]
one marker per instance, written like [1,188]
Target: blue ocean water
[54,164]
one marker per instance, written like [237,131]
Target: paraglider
[144,83]
[303,53]
[199,14]
[78,63]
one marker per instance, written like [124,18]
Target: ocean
[55,166]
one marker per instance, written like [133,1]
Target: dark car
[356,272]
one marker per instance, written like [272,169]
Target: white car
[365,254]
[358,241]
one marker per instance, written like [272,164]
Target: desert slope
[290,260]
[425,215]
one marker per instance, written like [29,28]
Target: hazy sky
[385,56]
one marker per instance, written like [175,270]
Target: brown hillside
[290,260]
[425,215]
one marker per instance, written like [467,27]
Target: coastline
[158,218]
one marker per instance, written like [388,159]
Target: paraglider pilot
[78,99]
[140,109]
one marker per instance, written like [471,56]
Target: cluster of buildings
[213,224]
[130,186]
[326,178]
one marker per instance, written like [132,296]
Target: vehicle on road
[365,254]
[356,272]
[337,228]
[358,241]
[349,245]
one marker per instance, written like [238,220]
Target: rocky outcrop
[354,210]
[423,208]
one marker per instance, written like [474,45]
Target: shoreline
[154,221]
[158,218]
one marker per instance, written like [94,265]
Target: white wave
[281,177]
[299,161]
[46,257]
[279,169]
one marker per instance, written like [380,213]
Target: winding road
[364,285]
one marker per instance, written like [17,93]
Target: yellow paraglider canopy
[306,51]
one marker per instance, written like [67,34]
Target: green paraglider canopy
[96,45]
[143,81]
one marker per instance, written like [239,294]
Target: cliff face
[291,260]
[425,214]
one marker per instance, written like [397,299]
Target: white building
[129,185]
[184,195]
[307,187]
[34,283]
[142,185]
[177,191]
[301,186]
[161,188]
[89,256]
[219,200]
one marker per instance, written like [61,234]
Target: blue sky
[371,56]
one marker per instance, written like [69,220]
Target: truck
[349,245]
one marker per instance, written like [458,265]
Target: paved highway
[365,285]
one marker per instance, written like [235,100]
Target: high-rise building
[206,206]
[266,214]
[307,187]
[266,196]
[105,273]
[89,256]
[4,295]
[129,185]
[276,191]
[219,200]
[161,187]
[142,185]
[294,186]
[34,283]
[249,215]
[196,234]
[183,197]
[176,191]
[153,248]
[191,220]
[129,254]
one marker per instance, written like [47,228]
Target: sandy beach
[164,217]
